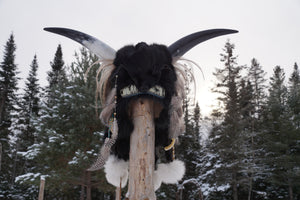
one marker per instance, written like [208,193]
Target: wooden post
[118,193]
[141,157]
[42,186]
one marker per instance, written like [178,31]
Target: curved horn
[183,45]
[96,46]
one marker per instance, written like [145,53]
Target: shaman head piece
[141,70]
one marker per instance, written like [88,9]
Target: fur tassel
[116,170]
[170,173]
[108,109]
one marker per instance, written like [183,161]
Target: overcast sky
[269,30]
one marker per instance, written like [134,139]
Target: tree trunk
[234,186]
[252,163]
[82,192]
[89,186]
[0,155]
[141,158]
[200,195]
[15,164]
[250,186]
[291,190]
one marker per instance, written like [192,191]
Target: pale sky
[269,30]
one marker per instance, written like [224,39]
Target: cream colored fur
[116,171]
[169,173]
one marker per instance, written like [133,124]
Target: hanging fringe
[105,150]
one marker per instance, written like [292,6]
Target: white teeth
[157,90]
[128,91]
[132,90]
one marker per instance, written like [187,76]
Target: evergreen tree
[245,101]
[196,119]
[57,75]
[68,134]
[226,138]
[249,166]
[257,78]
[190,150]
[30,106]
[23,130]
[294,95]
[8,82]
[283,149]
[8,100]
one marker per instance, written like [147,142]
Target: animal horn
[96,46]
[183,45]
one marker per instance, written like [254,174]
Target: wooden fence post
[118,193]
[42,187]
[141,157]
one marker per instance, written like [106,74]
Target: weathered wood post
[118,193]
[42,187]
[141,157]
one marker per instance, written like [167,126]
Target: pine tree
[57,75]
[245,100]
[30,106]
[68,133]
[8,100]
[294,95]
[254,129]
[226,138]
[196,119]
[277,96]
[257,78]
[190,150]
[23,130]
[8,81]
[282,138]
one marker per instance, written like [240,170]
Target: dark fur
[144,66]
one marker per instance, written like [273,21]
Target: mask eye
[165,66]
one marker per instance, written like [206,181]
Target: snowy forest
[251,148]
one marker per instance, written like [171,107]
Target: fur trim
[116,170]
[176,126]
[108,109]
[156,180]
[172,172]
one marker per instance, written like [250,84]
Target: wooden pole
[118,193]
[141,157]
[42,187]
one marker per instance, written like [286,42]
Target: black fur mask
[144,66]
